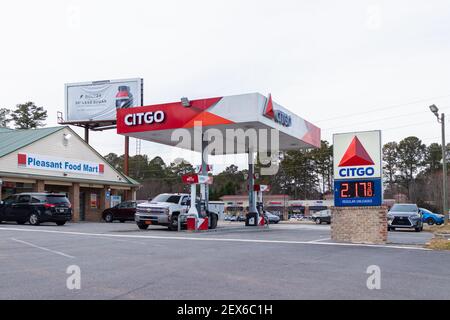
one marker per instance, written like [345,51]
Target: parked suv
[124,211]
[36,208]
[405,215]
[165,209]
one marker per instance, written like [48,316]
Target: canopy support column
[193,207]
[251,184]
[204,187]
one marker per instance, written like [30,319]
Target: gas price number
[357,189]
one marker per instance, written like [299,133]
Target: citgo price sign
[357,169]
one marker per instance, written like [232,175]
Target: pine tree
[4,117]
[29,116]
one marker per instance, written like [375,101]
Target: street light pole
[444,170]
[441,120]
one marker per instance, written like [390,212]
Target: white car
[322,216]
[273,218]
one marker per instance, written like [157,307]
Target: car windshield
[404,208]
[426,211]
[166,198]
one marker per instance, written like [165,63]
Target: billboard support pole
[127,153]
[127,138]
[86,134]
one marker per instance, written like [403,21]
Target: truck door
[185,204]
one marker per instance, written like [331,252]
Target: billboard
[99,100]
[358,169]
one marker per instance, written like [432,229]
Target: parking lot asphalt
[288,261]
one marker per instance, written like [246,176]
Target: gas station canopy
[157,123]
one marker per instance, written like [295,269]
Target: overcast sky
[343,65]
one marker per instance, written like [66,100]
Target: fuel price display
[358,192]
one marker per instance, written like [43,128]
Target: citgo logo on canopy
[277,115]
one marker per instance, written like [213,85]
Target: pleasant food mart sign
[48,163]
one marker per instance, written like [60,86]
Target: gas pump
[259,201]
[262,188]
[197,216]
[258,190]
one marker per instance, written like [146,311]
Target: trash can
[251,219]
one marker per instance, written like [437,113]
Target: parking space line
[43,248]
[218,239]
[318,240]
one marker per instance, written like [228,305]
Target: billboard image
[98,100]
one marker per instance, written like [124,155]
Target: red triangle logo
[268,112]
[356,155]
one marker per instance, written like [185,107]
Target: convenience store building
[57,159]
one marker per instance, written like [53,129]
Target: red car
[123,212]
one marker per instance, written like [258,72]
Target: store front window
[10,188]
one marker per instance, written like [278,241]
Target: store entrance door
[82,206]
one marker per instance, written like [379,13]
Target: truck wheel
[174,223]
[142,226]
[318,221]
[60,223]
[418,229]
[213,224]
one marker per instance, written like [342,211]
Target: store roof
[4,129]
[131,180]
[12,140]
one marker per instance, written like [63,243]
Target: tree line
[25,116]
[412,172]
[302,174]
[412,169]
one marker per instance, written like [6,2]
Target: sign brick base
[359,224]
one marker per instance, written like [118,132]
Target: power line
[381,119]
[382,108]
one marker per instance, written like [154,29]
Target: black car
[124,211]
[35,208]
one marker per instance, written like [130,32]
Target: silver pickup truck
[165,209]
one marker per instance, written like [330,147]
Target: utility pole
[441,120]
[444,170]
